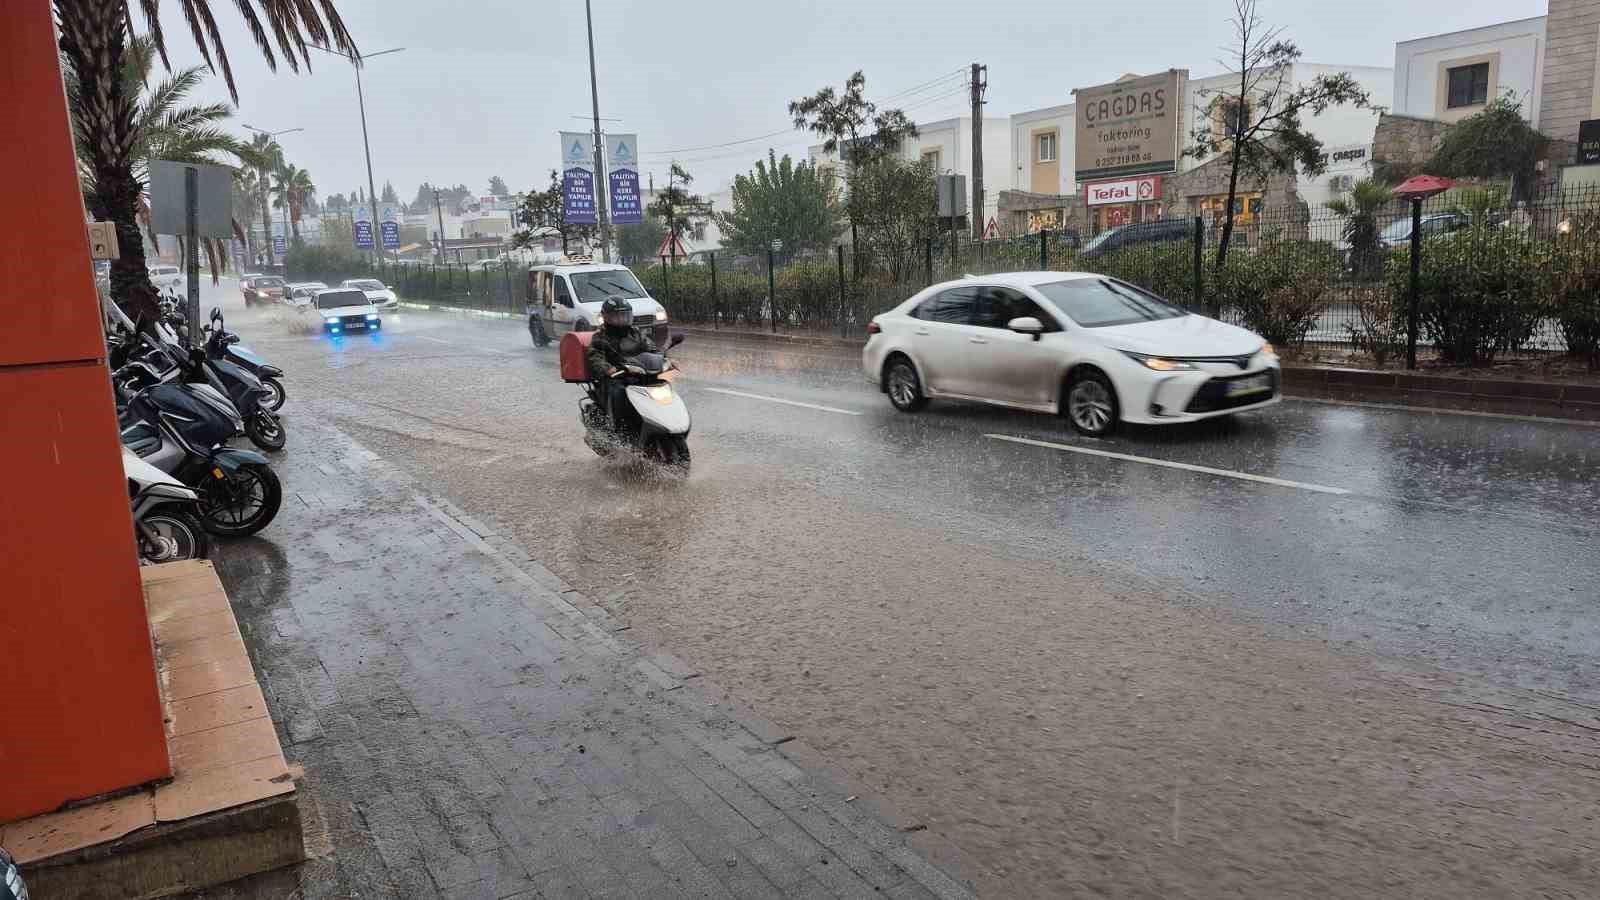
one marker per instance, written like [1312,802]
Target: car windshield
[1097,302]
[269,281]
[365,284]
[593,286]
[1399,229]
[335,299]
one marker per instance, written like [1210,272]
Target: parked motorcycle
[241,388]
[166,519]
[224,345]
[655,425]
[182,429]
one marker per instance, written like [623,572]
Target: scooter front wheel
[241,503]
[275,395]
[169,534]
[672,451]
[265,431]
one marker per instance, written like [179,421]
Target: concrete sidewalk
[471,727]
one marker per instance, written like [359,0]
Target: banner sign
[622,171]
[577,178]
[1126,190]
[363,230]
[389,228]
[1128,127]
[279,245]
[1588,142]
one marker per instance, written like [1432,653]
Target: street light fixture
[266,231]
[356,59]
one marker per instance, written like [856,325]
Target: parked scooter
[182,429]
[656,423]
[166,519]
[224,345]
[241,388]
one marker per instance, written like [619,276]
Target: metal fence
[1495,276]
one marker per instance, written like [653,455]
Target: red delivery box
[575,355]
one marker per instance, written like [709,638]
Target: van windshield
[592,286]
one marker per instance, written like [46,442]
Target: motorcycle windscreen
[660,408]
[197,421]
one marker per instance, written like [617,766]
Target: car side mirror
[1026,325]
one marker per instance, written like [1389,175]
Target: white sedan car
[1097,350]
[381,296]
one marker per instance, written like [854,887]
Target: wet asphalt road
[1047,651]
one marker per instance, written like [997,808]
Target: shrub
[316,262]
[1380,326]
[808,294]
[1570,271]
[1166,270]
[1478,292]
[1279,291]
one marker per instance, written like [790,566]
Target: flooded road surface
[1357,661]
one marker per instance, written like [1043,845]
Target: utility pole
[356,62]
[600,182]
[980,82]
[439,210]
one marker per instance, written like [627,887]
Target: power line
[918,88]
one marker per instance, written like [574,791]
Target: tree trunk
[266,222]
[93,39]
[1227,215]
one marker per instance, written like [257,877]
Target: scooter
[165,514]
[241,388]
[182,430]
[656,423]
[224,345]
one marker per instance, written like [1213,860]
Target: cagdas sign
[1127,190]
[1128,127]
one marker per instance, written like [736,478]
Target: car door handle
[922,331]
[976,340]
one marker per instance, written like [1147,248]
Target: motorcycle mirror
[216,314]
[675,340]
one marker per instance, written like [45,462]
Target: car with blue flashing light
[347,310]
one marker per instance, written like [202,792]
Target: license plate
[1255,384]
[355,325]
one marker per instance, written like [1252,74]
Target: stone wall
[1572,43]
[1017,209]
[1282,207]
[1406,140]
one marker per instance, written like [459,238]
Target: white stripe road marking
[435,340]
[1207,470]
[832,409]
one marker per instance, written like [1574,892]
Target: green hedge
[1479,292]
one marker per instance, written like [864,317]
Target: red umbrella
[1423,186]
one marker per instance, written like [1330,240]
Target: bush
[1570,270]
[315,262]
[1478,292]
[685,291]
[1166,270]
[1279,291]
[1380,327]
[808,294]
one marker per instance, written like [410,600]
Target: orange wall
[80,713]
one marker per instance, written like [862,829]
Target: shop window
[1469,86]
[934,158]
[1047,147]
[1235,116]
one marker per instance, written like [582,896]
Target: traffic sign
[991,230]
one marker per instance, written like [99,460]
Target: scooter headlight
[661,393]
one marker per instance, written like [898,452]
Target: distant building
[947,145]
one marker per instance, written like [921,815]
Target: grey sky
[483,87]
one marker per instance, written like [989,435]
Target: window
[1047,147]
[592,286]
[934,158]
[1469,86]
[1095,302]
[997,306]
[1235,116]
[341,298]
[953,307]
[562,297]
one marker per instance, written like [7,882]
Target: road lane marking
[832,409]
[1167,463]
[434,339]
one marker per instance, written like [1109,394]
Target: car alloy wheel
[1090,406]
[905,391]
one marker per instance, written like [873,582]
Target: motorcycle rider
[609,350]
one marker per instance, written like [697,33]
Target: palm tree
[1360,209]
[293,190]
[95,39]
[264,156]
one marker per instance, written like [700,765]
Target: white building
[1451,76]
[947,144]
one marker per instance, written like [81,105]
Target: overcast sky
[482,87]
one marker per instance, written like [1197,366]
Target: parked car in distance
[300,294]
[264,289]
[1398,232]
[1142,234]
[345,310]
[381,296]
[167,279]
[1090,347]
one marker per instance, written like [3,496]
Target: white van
[567,296]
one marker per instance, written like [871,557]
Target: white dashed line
[832,409]
[434,339]
[1167,463]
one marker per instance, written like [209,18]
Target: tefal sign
[1126,190]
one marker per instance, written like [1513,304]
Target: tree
[1495,143]
[264,156]
[1360,210]
[895,204]
[388,195]
[781,201]
[546,209]
[850,121]
[336,204]
[497,187]
[292,188]
[423,202]
[94,44]
[639,241]
[681,212]
[1257,126]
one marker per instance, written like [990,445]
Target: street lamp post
[356,60]
[261,185]
[601,187]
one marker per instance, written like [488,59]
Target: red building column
[80,712]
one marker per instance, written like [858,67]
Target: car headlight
[661,393]
[661,317]
[330,321]
[1159,363]
[1268,349]
[372,317]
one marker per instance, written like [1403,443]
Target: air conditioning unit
[1341,183]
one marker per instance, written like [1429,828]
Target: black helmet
[616,313]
